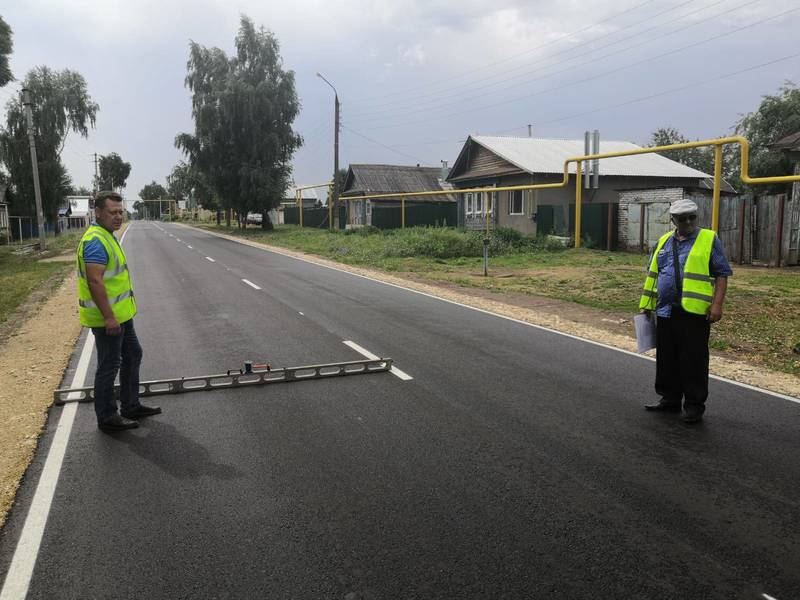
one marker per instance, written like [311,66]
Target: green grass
[762,311]
[20,275]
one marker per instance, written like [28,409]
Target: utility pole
[26,101]
[335,148]
[95,172]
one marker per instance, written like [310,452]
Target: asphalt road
[517,463]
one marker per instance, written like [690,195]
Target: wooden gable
[477,162]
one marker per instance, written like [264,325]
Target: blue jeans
[116,354]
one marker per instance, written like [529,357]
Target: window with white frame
[491,200]
[478,203]
[469,205]
[515,203]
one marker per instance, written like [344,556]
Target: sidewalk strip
[367,354]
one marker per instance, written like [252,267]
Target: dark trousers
[116,354]
[682,358]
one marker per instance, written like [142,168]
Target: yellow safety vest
[698,285]
[116,279]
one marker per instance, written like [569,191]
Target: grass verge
[21,274]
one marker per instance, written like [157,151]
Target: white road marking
[367,354]
[299,313]
[177,239]
[768,597]
[211,259]
[18,578]
[251,284]
[189,247]
[507,318]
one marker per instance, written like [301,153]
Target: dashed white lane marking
[177,239]
[367,354]
[251,284]
[18,578]
[211,259]
[299,313]
[189,247]
[768,597]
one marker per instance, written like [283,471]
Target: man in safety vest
[685,286]
[107,305]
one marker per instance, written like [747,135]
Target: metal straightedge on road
[236,379]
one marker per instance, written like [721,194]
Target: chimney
[445,171]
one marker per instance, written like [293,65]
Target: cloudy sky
[416,77]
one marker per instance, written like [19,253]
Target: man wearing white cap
[685,286]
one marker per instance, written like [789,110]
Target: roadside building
[489,161]
[385,213]
[76,212]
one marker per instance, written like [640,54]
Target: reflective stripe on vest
[116,280]
[698,288]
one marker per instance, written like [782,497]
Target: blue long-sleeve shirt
[668,295]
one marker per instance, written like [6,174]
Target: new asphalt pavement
[514,462]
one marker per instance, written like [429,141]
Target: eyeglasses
[684,218]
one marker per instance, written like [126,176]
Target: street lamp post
[335,148]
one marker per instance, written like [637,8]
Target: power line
[673,90]
[639,99]
[561,69]
[586,79]
[514,56]
[395,150]
[498,73]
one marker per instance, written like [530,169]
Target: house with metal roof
[366,179]
[489,161]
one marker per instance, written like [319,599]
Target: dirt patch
[607,327]
[32,363]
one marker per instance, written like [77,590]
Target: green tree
[701,158]
[180,182]
[60,104]
[243,107]
[6,46]
[152,191]
[342,177]
[777,116]
[113,172]
[81,190]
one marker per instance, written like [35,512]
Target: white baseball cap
[683,207]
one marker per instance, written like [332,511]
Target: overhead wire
[562,69]
[491,64]
[586,79]
[487,80]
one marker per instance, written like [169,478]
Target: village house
[366,179]
[489,161]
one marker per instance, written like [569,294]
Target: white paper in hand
[645,332]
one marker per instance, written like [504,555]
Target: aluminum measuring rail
[235,379]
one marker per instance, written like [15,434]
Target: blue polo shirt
[95,252]
[668,295]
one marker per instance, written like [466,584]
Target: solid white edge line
[18,578]
[251,284]
[367,354]
[768,597]
[498,315]
[211,259]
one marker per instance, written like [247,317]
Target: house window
[491,200]
[470,207]
[478,203]
[515,204]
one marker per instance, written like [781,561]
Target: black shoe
[664,406]
[117,423]
[693,415]
[142,411]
